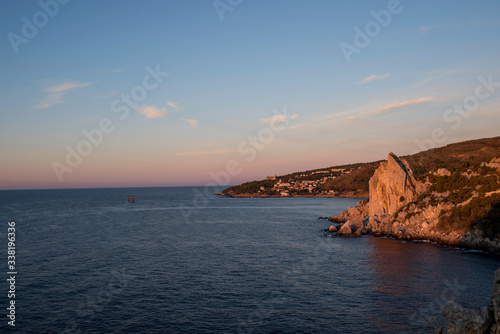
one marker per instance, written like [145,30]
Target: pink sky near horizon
[126,171]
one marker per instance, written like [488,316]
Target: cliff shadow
[481,220]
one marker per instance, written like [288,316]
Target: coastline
[449,195]
[442,239]
[253,195]
[356,226]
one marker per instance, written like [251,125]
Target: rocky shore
[400,206]
[464,320]
[257,195]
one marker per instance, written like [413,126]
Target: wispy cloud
[402,104]
[362,113]
[373,77]
[57,92]
[151,112]
[115,70]
[66,86]
[202,153]
[192,122]
[174,106]
[49,101]
[278,119]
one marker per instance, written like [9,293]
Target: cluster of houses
[301,184]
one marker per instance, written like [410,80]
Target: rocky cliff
[392,186]
[402,206]
[463,320]
[452,202]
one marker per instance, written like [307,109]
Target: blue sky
[228,77]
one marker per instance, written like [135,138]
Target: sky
[180,93]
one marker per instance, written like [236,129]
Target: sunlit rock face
[392,186]
[392,210]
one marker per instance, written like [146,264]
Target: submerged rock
[462,320]
[345,230]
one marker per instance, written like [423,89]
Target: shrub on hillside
[482,212]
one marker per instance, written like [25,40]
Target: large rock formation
[392,186]
[402,207]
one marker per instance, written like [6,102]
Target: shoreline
[436,242]
[248,195]
[358,227]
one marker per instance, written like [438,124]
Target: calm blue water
[179,261]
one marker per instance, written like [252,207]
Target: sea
[183,260]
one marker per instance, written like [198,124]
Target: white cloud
[173,105]
[373,77]
[49,101]
[360,113]
[192,122]
[154,112]
[278,119]
[402,104]
[57,92]
[352,117]
[202,153]
[65,87]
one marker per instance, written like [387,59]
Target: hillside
[352,180]
[341,181]
[449,195]
[466,176]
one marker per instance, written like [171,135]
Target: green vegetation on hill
[356,181]
[458,156]
[481,212]
[467,187]
[252,187]
[345,180]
